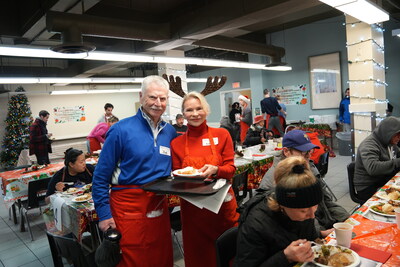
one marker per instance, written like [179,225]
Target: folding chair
[36,196]
[323,163]
[239,186]
[226,247]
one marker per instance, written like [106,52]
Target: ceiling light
[396,32]
[69,92]
[363,10]
[40,52]
[100,91]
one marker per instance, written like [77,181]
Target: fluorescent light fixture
[363,10]
[72,80]
[396,32]
[41,52]
[105,91]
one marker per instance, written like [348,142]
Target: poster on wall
[69,114]
[292,95]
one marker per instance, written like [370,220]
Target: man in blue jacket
[344,113]
[137,151]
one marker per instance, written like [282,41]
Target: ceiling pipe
[275,53]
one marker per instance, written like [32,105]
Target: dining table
[376,237]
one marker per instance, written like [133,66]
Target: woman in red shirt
[210,150]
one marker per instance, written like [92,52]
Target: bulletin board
[88,108]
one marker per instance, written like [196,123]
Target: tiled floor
[17,249]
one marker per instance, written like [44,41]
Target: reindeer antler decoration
[212,86]
[175,85]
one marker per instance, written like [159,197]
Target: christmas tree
[17,129]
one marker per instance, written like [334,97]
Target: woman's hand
[325,233]
[299,251]
[208,170]
[60,186]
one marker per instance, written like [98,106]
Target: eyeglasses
[304,153]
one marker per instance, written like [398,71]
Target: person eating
[75,171]
[277,230]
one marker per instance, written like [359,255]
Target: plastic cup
[343,232]
[397,212]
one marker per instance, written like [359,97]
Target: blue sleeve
[109,157]
[341,111]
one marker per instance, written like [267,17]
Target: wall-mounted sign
[292,95]
[69,114]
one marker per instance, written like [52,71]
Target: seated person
[377,159]
[179,127]
[297,143]
[257,134]
[98,135]
[276,230]
[76,171]
[225,123]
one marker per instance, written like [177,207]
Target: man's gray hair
[160,81]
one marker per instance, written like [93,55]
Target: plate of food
[389,194]
[71,190]
[328,255]
[383,209]
[82,198]
[187,172]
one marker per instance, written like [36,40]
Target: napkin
[371,253]
[57,204]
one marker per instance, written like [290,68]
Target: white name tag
[165,151]
[206,141]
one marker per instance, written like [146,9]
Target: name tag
[165,151]
[206,141]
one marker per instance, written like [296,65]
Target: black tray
[181,186]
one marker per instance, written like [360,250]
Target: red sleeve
[227,169]
[176,152]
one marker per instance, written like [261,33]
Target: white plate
[80,201]
[176,173]
[378,213]
[356,258]
[383,195]
[71,193]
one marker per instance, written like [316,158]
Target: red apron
[243,130]
[143,220]
[201,227]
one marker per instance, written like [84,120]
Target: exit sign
[236,85]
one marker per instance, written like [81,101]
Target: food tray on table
[181,186]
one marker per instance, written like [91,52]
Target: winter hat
[244,98]
[258,118]
[299,198]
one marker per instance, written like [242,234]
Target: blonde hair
[284,176]
[112,119]
[198,96]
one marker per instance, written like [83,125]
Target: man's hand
[60,186]
[299,251]
[109,223]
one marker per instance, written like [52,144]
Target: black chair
[176,226]
[353,192]
[226,247]
[70,249]
[239,186]
[322,165]
[36,199]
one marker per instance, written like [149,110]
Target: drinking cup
[343,232]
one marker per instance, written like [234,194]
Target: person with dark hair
[98,135]
[257,134]
[277,230]
[179,127]
[75,170]
[234,118]
[344,113]
[108,108]
[39,138]
[137,151]
[270,108]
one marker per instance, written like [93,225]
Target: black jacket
[264,234]
[253,136]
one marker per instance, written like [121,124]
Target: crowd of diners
[291,208]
